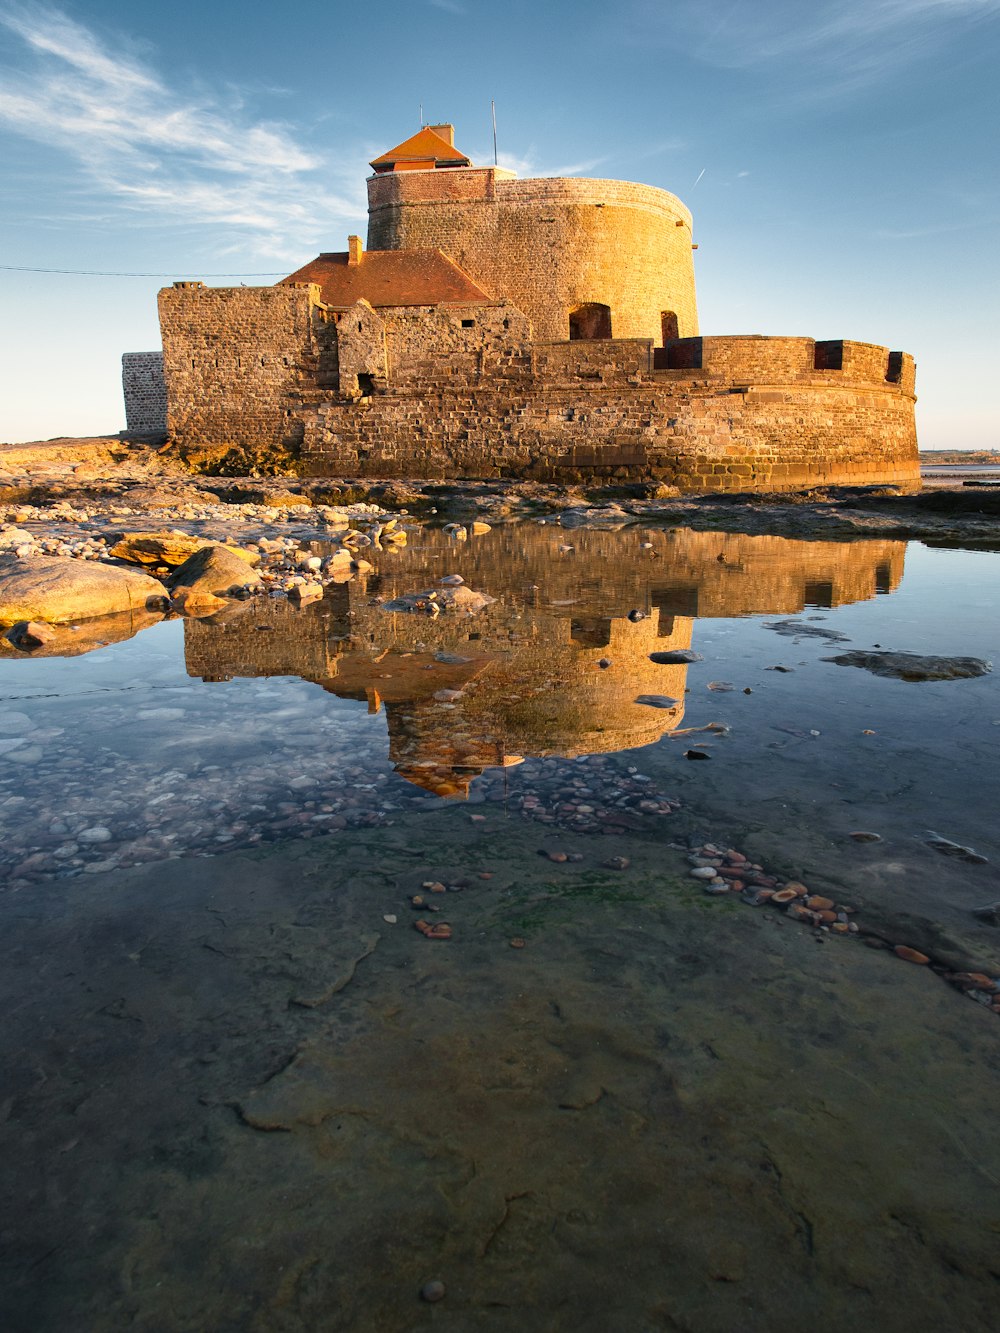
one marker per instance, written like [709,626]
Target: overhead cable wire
[98,273]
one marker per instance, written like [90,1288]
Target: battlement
[756,359]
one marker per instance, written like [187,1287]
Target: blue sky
[840,160]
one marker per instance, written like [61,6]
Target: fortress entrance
[588,321]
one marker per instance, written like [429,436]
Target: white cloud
[160,151]
[833,46]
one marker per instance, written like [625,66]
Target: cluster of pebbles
[727,871]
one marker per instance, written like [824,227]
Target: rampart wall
[549,245]
[464,392]
[145,393]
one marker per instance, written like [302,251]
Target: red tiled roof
[423,147]
[390,277]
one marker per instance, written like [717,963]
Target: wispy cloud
[830,46]
[449,6]
[162,151]
[528,164]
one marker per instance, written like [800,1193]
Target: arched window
[590,320]
[668,324]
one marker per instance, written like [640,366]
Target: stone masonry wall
[549,245]
[742,419]
[457,392]
[233,356]
[145,393]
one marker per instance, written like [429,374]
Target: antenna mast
[493,112]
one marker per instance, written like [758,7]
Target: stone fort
[495,327]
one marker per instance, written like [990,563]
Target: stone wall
[232,357]
[548,246]
[145,393]
[464,392]
[747,413]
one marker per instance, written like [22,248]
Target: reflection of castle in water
[528,667]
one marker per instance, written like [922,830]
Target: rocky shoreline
[108,477]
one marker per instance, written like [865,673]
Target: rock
[798,629]
[450,598]
[656,700]
[696,754]
[703,872]
[910,955]
[452,580]
[948,848]
[306,592]
[617,863]
[58,589]
[12,538]
[191,602]
[604,663]
[215,570]
[861,835]
[432,1291]
[914,666]
[679,657]
[518,942]
[13,724]
[166,548]
[28,634]
[784,896]
[94,835]
[636,616]
[479,529]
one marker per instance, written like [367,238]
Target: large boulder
[58,589]
[167,548]
[215,571]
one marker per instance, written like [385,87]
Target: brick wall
[548,245]
[145,393]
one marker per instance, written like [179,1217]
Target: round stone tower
[581,258]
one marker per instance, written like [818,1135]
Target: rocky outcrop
[55,589]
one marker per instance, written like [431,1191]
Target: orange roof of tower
[424,151]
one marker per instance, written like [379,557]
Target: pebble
[98,833]
[861,835]
[704,872]
[910,955]
[432,1291]
[518,942]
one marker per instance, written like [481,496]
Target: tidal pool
[242,1092]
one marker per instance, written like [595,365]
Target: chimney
[447,133]
[354,250]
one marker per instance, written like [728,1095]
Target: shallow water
[239,1097]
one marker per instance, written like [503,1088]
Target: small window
[894,370]
[366,384]
[668,325]
[359,325]
[468,323]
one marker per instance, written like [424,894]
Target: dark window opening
[589,321]
[506,323]
[677,600]
[366,383]
[819,594]
[894,370]
[359,325]
[829,356]
[679,354]
[468,323]
[668,325]
[883,579]
[591,632]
